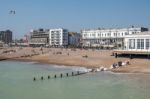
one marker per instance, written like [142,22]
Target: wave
[73,68]
[32,62]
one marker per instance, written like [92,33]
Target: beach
[75,57]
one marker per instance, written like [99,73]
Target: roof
[141,34]
[113,29]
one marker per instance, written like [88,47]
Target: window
[93,34]
[140,43]
[108,34]
[126,33]
[147,43]
[131,43]
[99,34]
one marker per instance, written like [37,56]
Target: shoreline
[43,62]
[116,71]
[69,57]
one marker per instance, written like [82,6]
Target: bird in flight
[12,12]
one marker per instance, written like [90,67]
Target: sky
[73,15]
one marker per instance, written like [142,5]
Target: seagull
[12,12]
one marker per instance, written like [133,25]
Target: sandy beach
[75,57]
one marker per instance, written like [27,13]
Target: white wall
[63,37]
[135,37]
[113,33]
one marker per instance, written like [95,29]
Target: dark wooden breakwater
[61,75]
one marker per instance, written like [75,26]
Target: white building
[58,37]
[137,42]
[113,37]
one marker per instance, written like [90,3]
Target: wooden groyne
[61,75]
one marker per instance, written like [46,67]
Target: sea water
[16,82]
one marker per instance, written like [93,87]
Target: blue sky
[72,14]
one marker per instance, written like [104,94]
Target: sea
[16,82]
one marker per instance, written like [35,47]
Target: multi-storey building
[39,37]
[74,38]
[6,36]
[58,37]
[108,37]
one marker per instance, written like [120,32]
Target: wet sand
[71,57]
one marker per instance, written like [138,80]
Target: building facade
[137,42]
[6,36]
[1,44]
[39,37]
[108,37]
[74,38]
[58,37]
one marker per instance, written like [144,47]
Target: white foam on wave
[74,68]
[60,66]
[32,62]
[81,69]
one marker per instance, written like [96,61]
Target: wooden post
[55,76]
[42,78]
[49,77]
[116,55]
[34,79]
[61,75]
[67,74]
[72,74]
